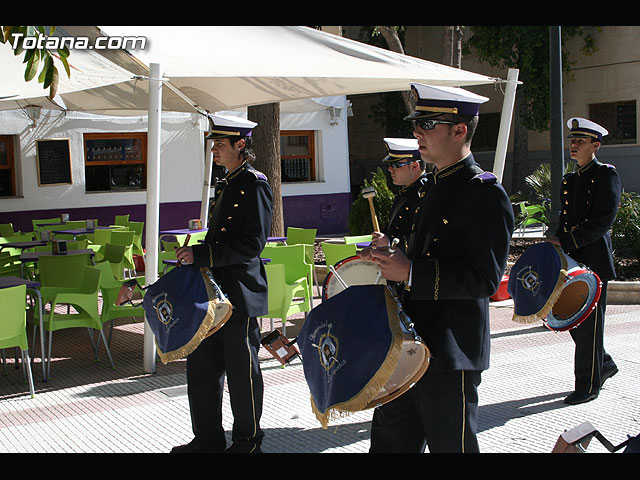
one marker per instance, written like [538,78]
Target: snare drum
[182,308]
[352,271]
[412,364]
[547,284]
[359,351]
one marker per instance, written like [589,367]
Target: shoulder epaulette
[485,177]
[259,175]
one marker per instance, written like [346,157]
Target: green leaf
[32,68]
[48,64]
[65,62]
[53,89]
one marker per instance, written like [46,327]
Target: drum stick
[333,270]
[369,193]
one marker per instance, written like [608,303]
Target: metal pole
[206,190]
[557,143]
[505,123]
[153,202]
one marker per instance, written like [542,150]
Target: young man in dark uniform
[590,199]
[238,230]
[407,171]
[455,259]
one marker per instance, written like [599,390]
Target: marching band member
[455,259]
[407,170]
[590,199]
[238,230]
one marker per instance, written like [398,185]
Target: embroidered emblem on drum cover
[164,309]
[328,346]
[529,279]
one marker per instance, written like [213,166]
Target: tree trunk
[266,144]
[395,45]
[520,147]
[452,46]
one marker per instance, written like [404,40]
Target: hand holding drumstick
[184,254]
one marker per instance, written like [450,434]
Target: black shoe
[608,374]
[576,398]
[195,447]
[243,449]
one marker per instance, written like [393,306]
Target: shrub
[360,222]
[625,233]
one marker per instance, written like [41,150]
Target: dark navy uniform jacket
[240,224]
[590,199]
[459,250]
[402,211]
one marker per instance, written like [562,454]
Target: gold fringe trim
[360,400]
[553,298]
[206,328]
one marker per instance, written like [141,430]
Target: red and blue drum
[547,284]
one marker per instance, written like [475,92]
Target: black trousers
[590,358]
[440,411]
[233,350]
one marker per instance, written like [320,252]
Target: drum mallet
[369,193]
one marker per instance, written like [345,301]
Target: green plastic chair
[125,237]
[121,219]
[60,273]
[115,254]
[169,246]
[531,215]
[285,299]
[109,288]
[296,266]
[194,240]
[13,327]
[84,300]
[9,264]
[138,228]
[298,236]
[307,237]
[163,267]
[334,252]
[35,222]
[101,237]
[357,239]
[6,230]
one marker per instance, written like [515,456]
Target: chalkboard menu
[54,161]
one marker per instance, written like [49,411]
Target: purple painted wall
[328,213]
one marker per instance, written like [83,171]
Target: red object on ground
[502,293]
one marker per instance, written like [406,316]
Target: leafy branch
[38,55]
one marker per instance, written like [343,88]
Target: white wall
[332,151]
[182,166]
[182,156]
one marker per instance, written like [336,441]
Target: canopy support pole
[153,202]
[505,123]
[206,190]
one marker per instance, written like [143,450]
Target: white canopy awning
[218,68]
[223,68]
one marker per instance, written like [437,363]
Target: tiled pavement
[87,407]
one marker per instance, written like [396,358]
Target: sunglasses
[395,165]
[430,124]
